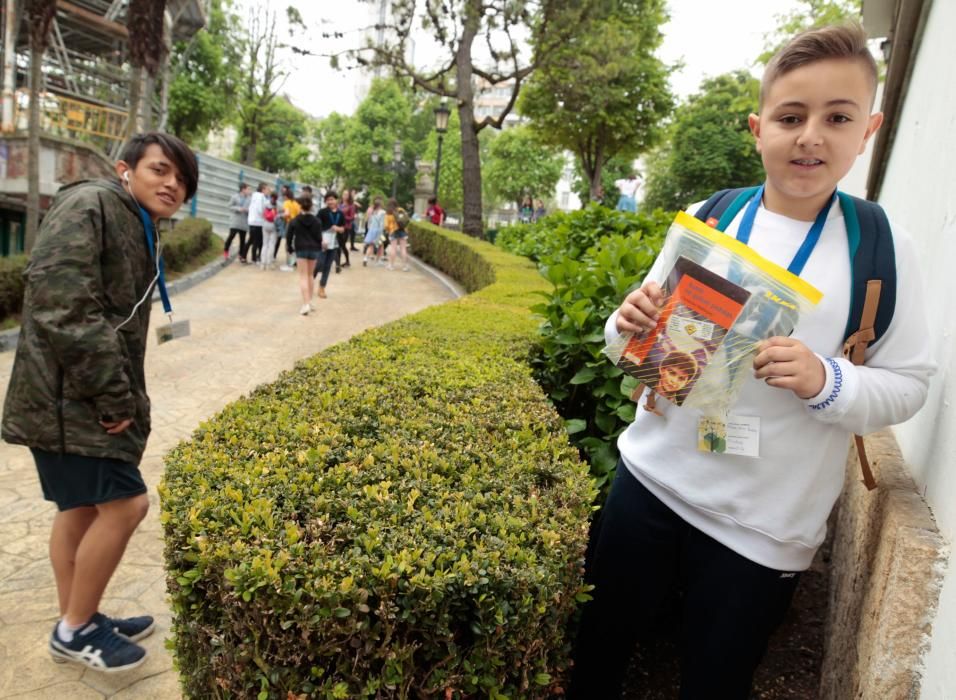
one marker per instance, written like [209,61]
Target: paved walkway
[245,331]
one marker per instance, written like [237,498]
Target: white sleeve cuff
[610,328]
[838,390]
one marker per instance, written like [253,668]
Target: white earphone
[126,177]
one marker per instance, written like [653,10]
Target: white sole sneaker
[305,309]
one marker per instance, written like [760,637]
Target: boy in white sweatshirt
[733,532]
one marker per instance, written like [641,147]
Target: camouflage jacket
[89,267]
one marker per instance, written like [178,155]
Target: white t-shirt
[628,187]
[773,509]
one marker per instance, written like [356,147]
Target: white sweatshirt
[257,209]
[773,509]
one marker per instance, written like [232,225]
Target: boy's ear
[753,121]
[121,167]
[872,126]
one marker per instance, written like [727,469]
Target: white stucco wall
[919,193]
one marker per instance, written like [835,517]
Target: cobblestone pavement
[245,330]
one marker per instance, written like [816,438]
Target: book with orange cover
[699,308]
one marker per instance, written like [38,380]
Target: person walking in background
[375,229]
[257,219]
[349,210]
[77,395]
[290,210]
[333,224]
[352,221]
[270,238]
[435,213]
[239,224]
[628,187]
[539,211]
[526,212]
[304,238]
[398,236]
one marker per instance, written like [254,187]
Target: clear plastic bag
[721,298]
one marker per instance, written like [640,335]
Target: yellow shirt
[291,209]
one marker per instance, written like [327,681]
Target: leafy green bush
[399,516]
[11,285]
[570,234]
[593,258]
[188,240]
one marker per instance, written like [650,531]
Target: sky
[711,37]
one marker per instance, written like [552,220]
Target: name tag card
[731,435]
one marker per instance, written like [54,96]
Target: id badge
[172,331]
[731,435]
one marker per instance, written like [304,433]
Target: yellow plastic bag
[721,298]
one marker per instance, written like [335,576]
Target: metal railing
[66,116]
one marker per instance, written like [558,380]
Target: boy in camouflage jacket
[77,395]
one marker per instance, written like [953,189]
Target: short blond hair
[846,41]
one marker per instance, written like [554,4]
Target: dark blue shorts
[76,481]
[308,254]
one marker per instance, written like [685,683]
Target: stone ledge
[886,573]
[9,338]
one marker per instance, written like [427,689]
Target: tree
[456,25]
[604,94]
[614,169]
[147,51]
[263,80]
[283,136]
[40,14]
[205,76]
[709,144]
[812,13]
[518,164]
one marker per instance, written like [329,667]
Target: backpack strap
[723,206]
[872,291]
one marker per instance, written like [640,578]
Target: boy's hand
[786,363]
[117,426]
[640,310]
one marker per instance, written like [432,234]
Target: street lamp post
[396,163]
[441,126]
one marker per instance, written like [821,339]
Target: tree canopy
[518,164]
[604,94]
[709,145]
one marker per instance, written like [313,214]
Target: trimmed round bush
[189,239]
[398,516]
[12,285]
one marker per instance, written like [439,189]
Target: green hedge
[400,515]
[11,285]
[189,239]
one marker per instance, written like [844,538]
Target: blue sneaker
[134,628]
[98,647]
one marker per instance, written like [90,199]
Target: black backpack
[873,273]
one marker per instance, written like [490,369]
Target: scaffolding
[86,68]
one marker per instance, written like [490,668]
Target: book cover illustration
[699,308]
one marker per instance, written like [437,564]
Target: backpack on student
[270,215]
[401,218]
[872,279]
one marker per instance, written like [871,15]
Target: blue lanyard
[809,243]
[163,294]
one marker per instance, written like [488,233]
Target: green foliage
[709,147]
[187,241]
[205,76]
[519,164]
[399,516]
[594,258]
[614,169]
[604,93]
[451,191]
[283,138]
[390,112]
[11,285]
[809,15]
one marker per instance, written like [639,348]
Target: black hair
[306,188]
[243,185]
[173,148]
[262,186]
[331,193]
[305,201]
[433,200]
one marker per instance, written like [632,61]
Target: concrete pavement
[245,330]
